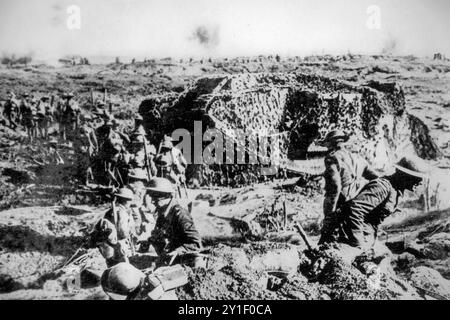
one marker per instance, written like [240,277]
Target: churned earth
[253,249]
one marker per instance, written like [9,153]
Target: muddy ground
[45,214]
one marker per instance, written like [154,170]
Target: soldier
[170,163]
[141,205]
[114,233]
[23,106]
[70,112]
[11,109]
[116,127]
[344,171]
[85,147]
[361,216]
[175,233]
[45,116]
[29,118]
[112,152]
[53,156]
[142,153]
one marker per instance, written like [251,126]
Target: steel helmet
[160,186]
[125,193]
[412,166]
[121,280]
[334,135]
[138,174]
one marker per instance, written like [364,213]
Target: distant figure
[344,171]
[70,113]
[11,110]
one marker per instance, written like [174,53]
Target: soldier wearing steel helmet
[361,216]
[141,207]
[45,116]
[344,175]
[142,153]
[85,146]
[175,233]
[70,113]
[11,110]
[114,233]
[170,163]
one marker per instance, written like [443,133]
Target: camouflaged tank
[292,111]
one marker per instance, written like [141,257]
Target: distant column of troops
[103,153]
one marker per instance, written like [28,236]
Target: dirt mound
[234,273]
[35,241]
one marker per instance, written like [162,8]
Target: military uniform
[69,118]
[85,146]
[171,165]
[344,173]
[115,238]
[45,118]
[29,119]
[10,110]
[360,217]
[139,158]
[174,231]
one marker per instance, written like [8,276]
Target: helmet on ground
[160,186]
[125,193]
[412,166]
[121,280]
[138,174]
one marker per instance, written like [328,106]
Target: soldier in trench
[360,217]
[344,173]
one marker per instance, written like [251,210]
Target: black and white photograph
[239,150]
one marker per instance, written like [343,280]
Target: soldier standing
[111,152]
[344,173]
[45,116]
[11,110]
[85,147]
[142,153]
[170,163]
[70,112]
[29,118]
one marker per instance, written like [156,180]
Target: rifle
[304,236]
[147,162]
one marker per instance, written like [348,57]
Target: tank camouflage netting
[292,111]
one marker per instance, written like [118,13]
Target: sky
[220,28]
